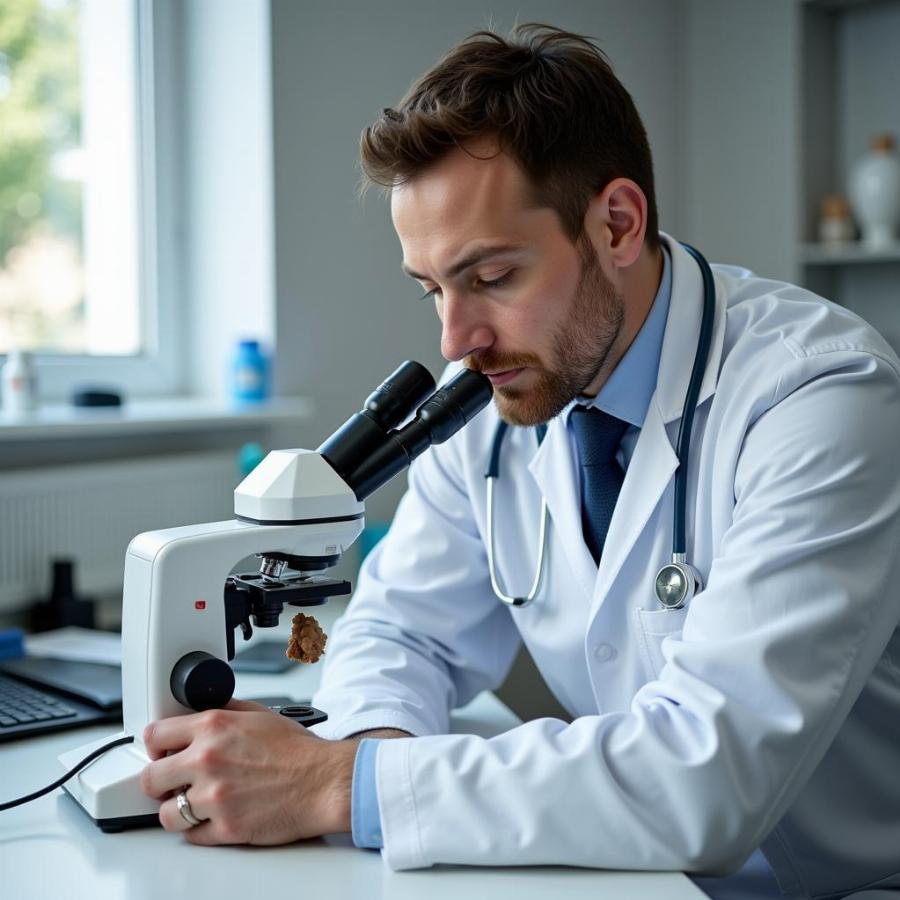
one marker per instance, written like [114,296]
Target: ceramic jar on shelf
[875,193]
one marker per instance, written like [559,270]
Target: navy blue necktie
[597,436]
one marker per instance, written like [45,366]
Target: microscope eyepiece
[396,397]
[386,407]
[454,404]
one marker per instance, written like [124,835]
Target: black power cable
[52,787]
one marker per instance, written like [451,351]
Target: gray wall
[345,313]
[742,120]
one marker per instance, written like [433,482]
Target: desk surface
[51,848]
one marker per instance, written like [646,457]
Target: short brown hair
[549,97]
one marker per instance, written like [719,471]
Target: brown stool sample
[307,641]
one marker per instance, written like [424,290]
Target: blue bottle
[250,374]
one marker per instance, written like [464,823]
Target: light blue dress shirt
[365,818]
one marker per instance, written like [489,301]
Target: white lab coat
[767,712]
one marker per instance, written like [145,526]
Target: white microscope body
[299,510]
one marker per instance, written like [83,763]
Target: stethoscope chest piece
[676,584]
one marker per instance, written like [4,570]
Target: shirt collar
[629,389]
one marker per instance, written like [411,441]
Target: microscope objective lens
[271,569]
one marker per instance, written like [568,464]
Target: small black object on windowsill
[96,396]
[63,607]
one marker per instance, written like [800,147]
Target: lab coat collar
[682,330]
[652,468]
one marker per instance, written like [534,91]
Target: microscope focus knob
[201,681]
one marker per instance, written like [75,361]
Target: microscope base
[127,823]
[109,789]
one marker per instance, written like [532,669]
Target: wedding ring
[184,807]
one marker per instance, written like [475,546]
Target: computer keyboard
[26,710]
[20,703]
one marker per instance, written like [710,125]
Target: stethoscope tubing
[492,566]
[685,427]
[491,476]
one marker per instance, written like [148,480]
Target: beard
[580,348]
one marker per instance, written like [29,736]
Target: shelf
[176,415]
[852,253]
[839,5]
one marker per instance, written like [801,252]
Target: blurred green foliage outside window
[41,177]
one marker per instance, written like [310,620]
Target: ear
[616,221]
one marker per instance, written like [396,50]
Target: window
[77,193]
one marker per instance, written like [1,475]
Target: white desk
[51,848]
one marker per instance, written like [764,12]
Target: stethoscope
[678,581]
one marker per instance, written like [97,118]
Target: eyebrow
[477,255]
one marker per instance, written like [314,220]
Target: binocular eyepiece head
[371,447]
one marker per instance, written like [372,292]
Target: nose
[465,329]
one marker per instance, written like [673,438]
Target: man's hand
[257,777]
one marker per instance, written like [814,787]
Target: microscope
[297,512]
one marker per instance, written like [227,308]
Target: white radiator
[90,512]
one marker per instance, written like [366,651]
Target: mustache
[501,362]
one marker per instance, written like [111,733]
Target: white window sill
[176,415]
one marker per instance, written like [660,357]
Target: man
[762,714]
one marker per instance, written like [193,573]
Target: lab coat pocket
[653,627]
